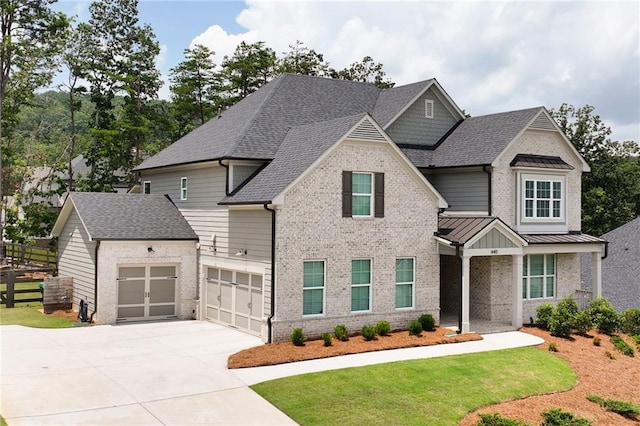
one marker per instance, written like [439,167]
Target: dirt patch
[597,372]
[283,352]
[68,314]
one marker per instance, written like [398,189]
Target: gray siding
[77,260]
[413,128]
[250,230]
[463,190]
[240,173]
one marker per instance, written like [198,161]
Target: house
[620,267]
[319,202]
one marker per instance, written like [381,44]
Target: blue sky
[490,56]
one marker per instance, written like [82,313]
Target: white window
[428,108]
[313,287]
[146,189]
[539,276]
[183,188]
[362,194]
[405,280]
[360,285]
[543,199]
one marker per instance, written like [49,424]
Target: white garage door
[146,292]
[235,298]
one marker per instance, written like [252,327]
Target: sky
[489,56]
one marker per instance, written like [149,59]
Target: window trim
[412,283]
[428,108]
[146,184]
[371,196]
[522,200]
[377,195]
[526,276]
[183,188]
[369,285]
[323,288]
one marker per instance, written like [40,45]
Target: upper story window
[362,194]
[542,199]
[146,187]
[428,108]
[183,188]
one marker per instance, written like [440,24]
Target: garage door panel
[225,316]
[162,291]
[146,292]
[256,303]
[162,271]
[131,272]
[131,312]
[161,310]
[242,300]
[130,292]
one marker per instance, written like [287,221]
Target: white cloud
[489,56]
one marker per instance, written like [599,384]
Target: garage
[234,298]
[146,292]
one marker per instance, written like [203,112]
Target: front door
[146,292]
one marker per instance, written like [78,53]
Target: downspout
[95,283]
[606,250]
[226,177]
[457,245]
[487,170]
[273,272]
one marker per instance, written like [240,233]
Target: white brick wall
[310,226]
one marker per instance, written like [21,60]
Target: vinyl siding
[413,128]
[77,260]
[463,190]
[250,230]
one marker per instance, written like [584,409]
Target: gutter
[606,250]
[273,272]
[226,176]
[95,283]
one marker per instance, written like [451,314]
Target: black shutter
[346,194]
[379,195]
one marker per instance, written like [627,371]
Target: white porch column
[596,274]
[516,308]
[465,294]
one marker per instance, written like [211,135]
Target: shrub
[326,337]
[582,322]
[341,332]
[604,317]
[630,321]
[368,332]
[297,337]
[622,346]
[636,339]
[623,408]
[562,318]
[427,322]
[496,420]
[415,328]
[558,417]
[596,341]
[553,347]
[543,314]
[383,327]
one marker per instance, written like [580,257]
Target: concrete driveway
[170,373]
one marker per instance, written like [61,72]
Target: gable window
[360,285]
[183,188]
[542,199]
[146,188]
[539,276]
[405,279]
[362,194]
[428,108]
[313,288]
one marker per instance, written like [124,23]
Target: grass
[2,421]
[29,315]
[438,391]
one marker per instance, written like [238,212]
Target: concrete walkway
[171,373]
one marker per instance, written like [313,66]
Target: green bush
[496,420]
[553,347]
[341,332]
[623,408]
[562,318]
[427,322]
[297,337]
[604,316]
[543,314]
[636,340]
[596,341]
[415,328]
[630,322]
[326,337]
[383,327]
[558,417]
[368,332]
[582,322]
[622,346]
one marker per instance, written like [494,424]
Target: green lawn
[29,315]
[437,391]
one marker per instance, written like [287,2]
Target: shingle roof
[300,148]
[392,101]
[621,268]
[109,216]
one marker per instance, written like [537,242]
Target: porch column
[516,308]
[465,294]
[596,271]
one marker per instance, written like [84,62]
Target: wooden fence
[22,254]
[11,277]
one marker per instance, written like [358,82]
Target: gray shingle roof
[109,216]
[301,147]
[621,268]
[392,101]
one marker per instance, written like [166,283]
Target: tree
[31,40]
[366,71]
[194,88]
[302,60]
[611,192]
